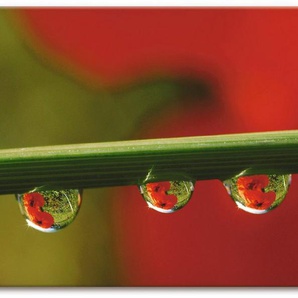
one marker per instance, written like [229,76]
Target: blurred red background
[251,56]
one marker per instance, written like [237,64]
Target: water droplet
[167,196]
[258,194]
[50,210]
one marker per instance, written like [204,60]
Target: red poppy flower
[255,182]
[33,199]
[159,196]
[42,219]
[167,202]
[31,212]
[252,190]
[158,187]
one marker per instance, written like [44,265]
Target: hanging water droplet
[258,194]
[167,196]
[50,210]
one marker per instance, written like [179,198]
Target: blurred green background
[43,105]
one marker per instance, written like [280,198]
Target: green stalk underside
[130,162]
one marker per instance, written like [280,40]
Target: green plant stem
[130,162]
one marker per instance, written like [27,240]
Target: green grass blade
[129,162]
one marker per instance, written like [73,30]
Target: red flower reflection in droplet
[159,195]
[33,199]
[33,203]
[252,190]
[44,219]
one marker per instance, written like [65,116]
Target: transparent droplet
[258,194]
[50,210]
[167,196]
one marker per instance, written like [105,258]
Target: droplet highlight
[258,194]
[167,196]
[50,210]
